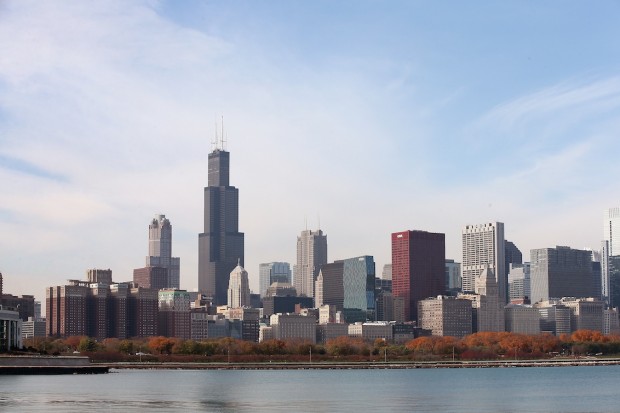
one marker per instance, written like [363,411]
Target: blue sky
[374,116]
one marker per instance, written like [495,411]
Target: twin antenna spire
[219,140]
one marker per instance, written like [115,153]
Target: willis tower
[220,246]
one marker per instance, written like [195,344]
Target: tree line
[478,346]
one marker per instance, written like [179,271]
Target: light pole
[310,354]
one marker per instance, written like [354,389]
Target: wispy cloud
[564,96]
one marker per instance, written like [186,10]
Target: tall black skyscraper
[220,246]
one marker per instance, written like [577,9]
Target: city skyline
[502,112]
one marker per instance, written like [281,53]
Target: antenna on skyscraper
[319,219]
[214,141]
[222,137]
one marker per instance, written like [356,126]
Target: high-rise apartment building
[238,288]
[271,272]
[560,272]
[418,268]
[221,245]
[174,314]
[160,250]
[311,255]
[611,230]
[483,246]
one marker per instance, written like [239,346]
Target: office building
[555,318]
[160,250]
[151,277]
[371,331]
[586,313]
[271,272]
[99,276]
[386,273]
[522,319]
[293,327]
[484,246]
[445,316]
[142,312]
[490,310]
[33,328]
[418,268]
[512,255]
[611,321]
[611,230]
[238,288]
[221,245]
[560,272]
[519,282]
[311,255]
[453,276]
[349,285]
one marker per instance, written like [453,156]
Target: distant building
[586,313]
[560,272]
[490,312]
[445,316]
[483,246]
[10,329]
[239,288]
[287,304]
[453,276]
[151,277]
[142,312]
[522,319]
[311,255]
[418,268]
[371,331]
[33,328]
[99,276]
[160,250]
[512,255]
[611,322]
[555,318]
[293,327]
[281,289]
[349,285]
[386,274]
[519,282]
[330,331]
[174,314]
[611,230]
[271,272]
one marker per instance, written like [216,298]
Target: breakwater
[367,365]
[49,365]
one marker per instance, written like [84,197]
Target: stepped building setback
[221,245]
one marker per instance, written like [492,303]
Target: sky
[361,117]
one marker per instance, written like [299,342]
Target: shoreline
[360,365]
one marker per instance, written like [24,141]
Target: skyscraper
[418,268]
[560,272]
[483,245]
[238,288]
[271,272]
[611,230]
[311,254]
[221,245]
[160,250]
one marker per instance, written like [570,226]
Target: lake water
[550,389]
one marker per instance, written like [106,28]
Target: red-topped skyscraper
[418,268]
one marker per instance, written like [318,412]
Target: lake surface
[548,389]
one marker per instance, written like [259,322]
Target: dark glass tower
[220,246]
